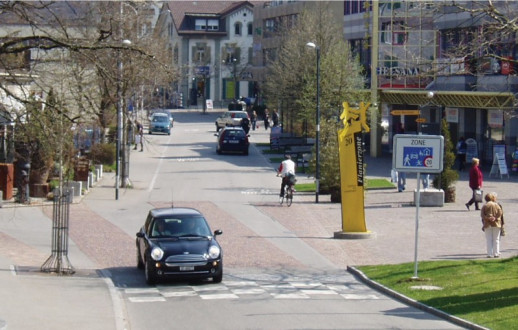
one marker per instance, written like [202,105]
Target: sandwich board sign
[418,153]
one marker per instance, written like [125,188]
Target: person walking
[475,183]
[266,119]
[139,136]
[401,181]
[275,118]
[491,214]
[253,119]
[461,153]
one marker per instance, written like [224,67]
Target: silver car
[230,118]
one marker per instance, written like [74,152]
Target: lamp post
[317,135]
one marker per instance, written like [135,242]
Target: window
[393,33]
[201,24]
[213,25]
[250,29]
[269,25]
[237,29]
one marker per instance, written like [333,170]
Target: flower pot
[449,195]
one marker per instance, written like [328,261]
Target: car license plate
[233,141]
[186,268]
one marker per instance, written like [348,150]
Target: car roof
[160,114]
[175,211]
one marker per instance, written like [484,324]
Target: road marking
[248,291]
[359,296]
[218,296]
[146,299]
[168,294]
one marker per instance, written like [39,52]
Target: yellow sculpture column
[352,176]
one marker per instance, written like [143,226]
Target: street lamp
[120,122]
[317,136]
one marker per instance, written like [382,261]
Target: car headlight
[214,252]
[157,253]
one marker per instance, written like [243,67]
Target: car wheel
[150,132]
[150,275]
[219,278]
[245,152]
[140,263]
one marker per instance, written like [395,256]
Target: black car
[178,243]
[232,139]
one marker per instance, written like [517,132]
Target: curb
[411,302]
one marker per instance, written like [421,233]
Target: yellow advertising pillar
[350,147]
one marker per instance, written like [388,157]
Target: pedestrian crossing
[228,290]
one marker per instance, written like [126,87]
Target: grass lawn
[371,184]
[484,292]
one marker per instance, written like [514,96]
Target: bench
[276,138]
[301,153]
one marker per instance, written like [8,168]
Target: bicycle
[289,190]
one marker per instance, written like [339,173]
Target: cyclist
[286,171]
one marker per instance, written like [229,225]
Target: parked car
[160,123]
[232,139]
[230,118]
[178,243]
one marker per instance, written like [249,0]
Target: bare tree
[82,39]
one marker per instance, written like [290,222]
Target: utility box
[6,180]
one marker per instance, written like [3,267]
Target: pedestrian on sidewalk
[254,120]
[139,136]
[401,181]
[266,119]
[491,214]
[475,183]
[461,153]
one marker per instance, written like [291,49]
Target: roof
[180,9]
[168,211]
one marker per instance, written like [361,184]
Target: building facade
[212,45]
[425,65]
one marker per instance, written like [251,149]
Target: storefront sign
[452,115]
[495,118]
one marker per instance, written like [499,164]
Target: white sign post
[418,154]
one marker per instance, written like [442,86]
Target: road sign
[418,153]
[405,112]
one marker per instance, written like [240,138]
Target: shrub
[103,153]
[448,176]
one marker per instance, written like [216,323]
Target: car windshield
[160,118]
[180,227]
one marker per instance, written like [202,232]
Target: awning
[452,99]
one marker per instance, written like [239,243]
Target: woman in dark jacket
[475,182]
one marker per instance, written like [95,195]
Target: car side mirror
[218,232]
[140,234]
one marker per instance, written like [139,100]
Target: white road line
[219,296]
[146,299]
